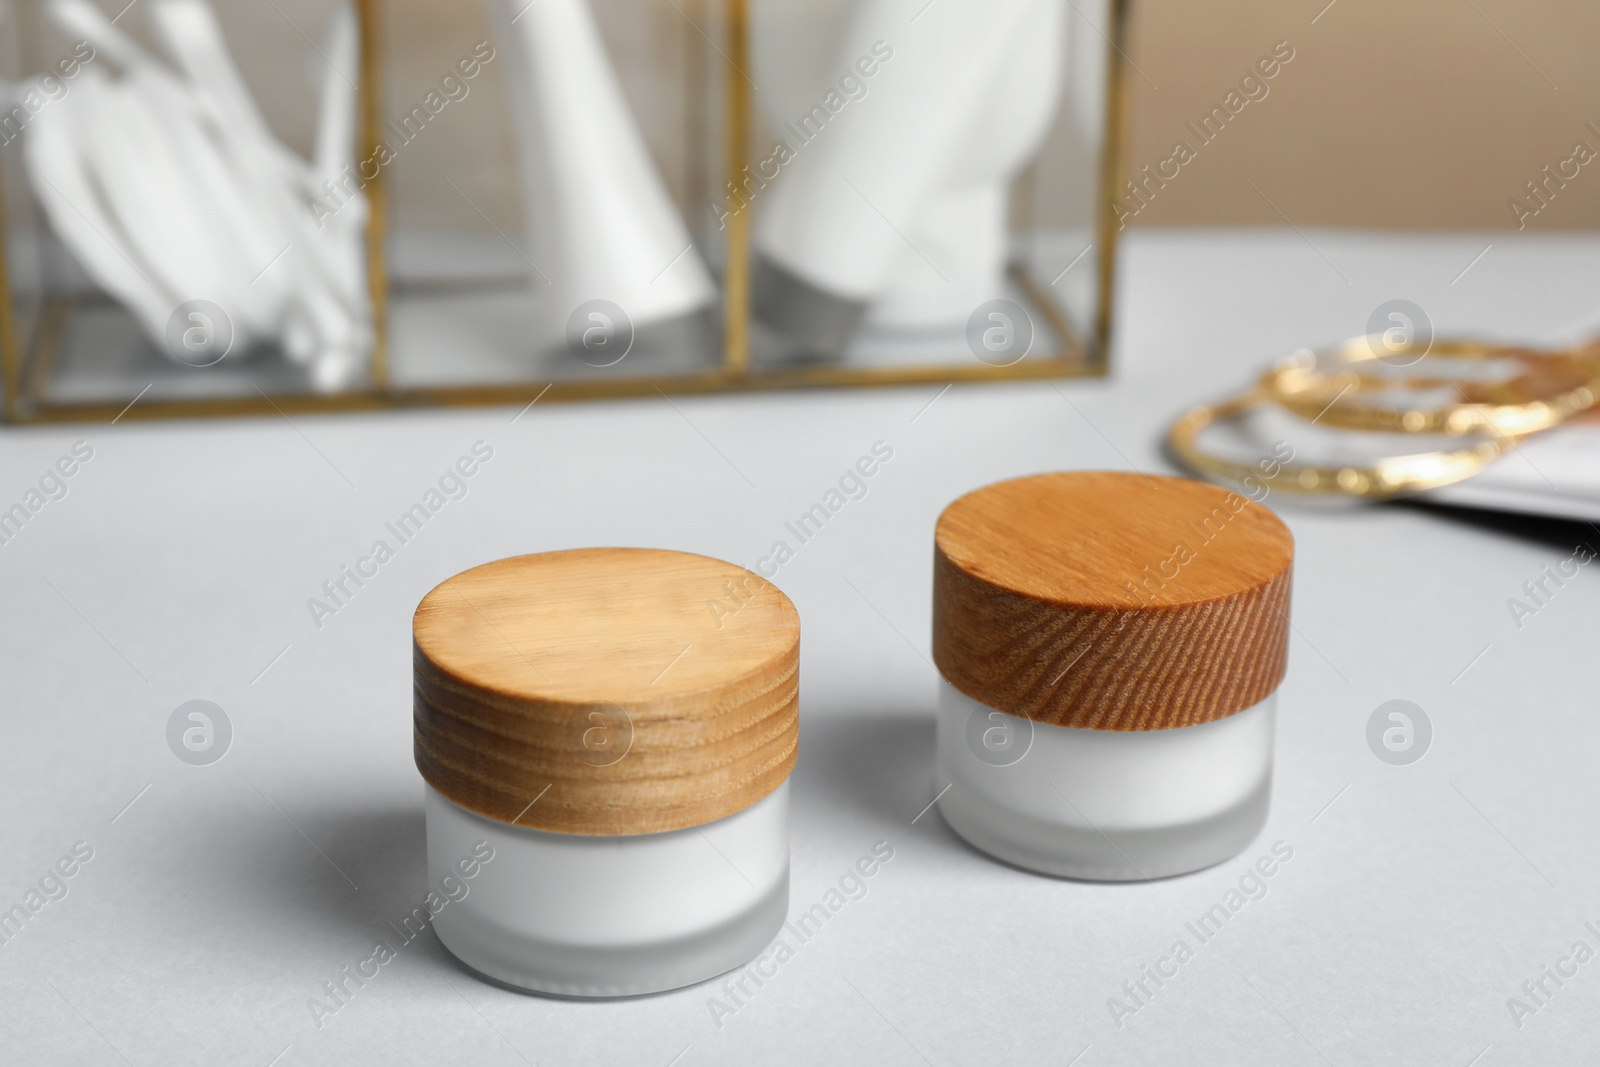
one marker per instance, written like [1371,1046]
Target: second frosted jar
[1110,646]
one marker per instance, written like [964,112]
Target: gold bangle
[1571,378]
[1387,477]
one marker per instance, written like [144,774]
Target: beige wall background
[1412,114]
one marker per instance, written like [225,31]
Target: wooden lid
[1112,601]
[606,690]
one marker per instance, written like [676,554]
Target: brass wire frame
[24,403]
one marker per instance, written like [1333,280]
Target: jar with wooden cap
[1110,645]
[615,728]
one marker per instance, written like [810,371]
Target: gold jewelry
[1553,387]
[1386,477]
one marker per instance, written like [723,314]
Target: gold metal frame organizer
[455,324]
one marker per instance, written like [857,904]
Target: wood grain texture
[1110,600]
[606,691]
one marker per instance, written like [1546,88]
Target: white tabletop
[219,898]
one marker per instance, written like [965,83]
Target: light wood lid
[606,690]
[1110,600]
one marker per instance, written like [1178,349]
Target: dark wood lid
[1111,600]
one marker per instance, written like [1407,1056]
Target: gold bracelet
[1387,477]
[1569,381]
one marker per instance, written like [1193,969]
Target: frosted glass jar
[1105,805]
[621,753]
[596,916]
[1111,645]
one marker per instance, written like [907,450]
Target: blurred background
[1429,114]
[1438,115]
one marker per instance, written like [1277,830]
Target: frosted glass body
[1104,805]
[608,916]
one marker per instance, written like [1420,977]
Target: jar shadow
[879,764]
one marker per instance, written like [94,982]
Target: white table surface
[1418,898]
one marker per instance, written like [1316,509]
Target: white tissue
[169,187]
